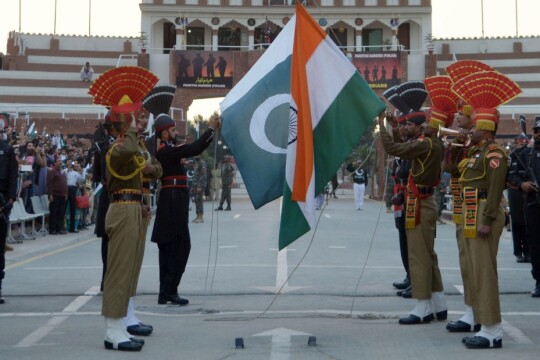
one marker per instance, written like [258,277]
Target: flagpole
[482,11]
[89,17]
[517,31]
[20,7]
[55,3]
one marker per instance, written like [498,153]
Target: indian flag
[331,107]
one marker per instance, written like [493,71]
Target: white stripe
[328,70]
[459,288]
[276,53]
[337,247]
[228,246]
[41,332]
[38,334]
[517,335]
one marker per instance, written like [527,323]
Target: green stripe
[342,126]
[293,223]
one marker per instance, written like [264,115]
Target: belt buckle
[174,182]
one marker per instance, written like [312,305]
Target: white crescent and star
[258,122]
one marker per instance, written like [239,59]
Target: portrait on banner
[203,69]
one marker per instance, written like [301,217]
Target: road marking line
[39,257]
[37,335]
[236,216]
[337,247]
[516,334]
[328,216]
[227,246]
[459,288]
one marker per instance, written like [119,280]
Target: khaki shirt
[122,161]
[486,170]
[426,155]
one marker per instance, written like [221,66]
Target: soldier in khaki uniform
[126,167]
[456,152]
[483,177]
[426,152]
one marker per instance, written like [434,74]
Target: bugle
[445,132]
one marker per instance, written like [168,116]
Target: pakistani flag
[331,107]
[255,117]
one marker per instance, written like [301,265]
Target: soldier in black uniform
[516,201]
[529,166]
[171,231]
[8,193]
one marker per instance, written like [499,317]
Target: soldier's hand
[528,186]
[145,211]
[148,169]
[484,231]
[381,117]
[462,137]
[214,123]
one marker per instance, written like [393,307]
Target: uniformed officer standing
[426,152]
[529,166]
[171,231]
[360,181]
[400,174]
[227,179]
[200,175]
[483,178]
[8,193]
[516,200]
[126,167]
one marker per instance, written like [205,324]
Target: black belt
[482,194]
[174,183]
[126,197]
[425,190]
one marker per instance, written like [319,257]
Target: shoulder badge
[494,163]
[494,154]
[494,147]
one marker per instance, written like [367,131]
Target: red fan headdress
[462,68]
[486,91]
[122,90]
[444,102]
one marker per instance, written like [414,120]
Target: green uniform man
[426,152]
[483,178]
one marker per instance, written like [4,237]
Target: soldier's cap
[521,139]
[416,117]
[163,122]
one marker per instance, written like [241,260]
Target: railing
[124,57]
[23,111]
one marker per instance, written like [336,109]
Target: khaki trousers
[124,258]
[482,256]
[464,265]
[423,263]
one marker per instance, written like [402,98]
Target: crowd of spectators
[60,168]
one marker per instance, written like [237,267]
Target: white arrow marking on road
[38,334]
[281,342]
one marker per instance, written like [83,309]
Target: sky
[451,18]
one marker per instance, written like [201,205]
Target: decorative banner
[203,69]
[380,70]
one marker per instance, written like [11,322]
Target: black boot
[228,207]
[2,301]
[220,207]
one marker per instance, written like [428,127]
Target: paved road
[339,290]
